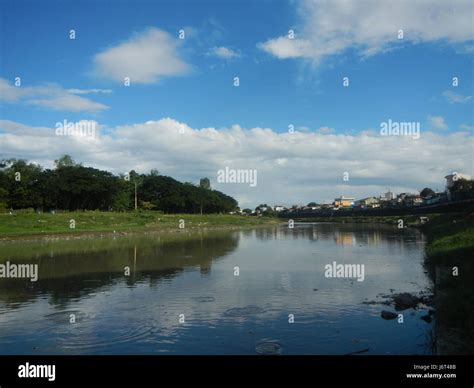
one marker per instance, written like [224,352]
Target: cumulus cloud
[437,122]
[145,58]
[10,93]
[70,103]
[327,28]
[49,96]
[465,127]
[454,98]
[325,130]
[224,52]
[292,168]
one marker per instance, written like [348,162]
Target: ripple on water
[244,311]
[268,348]
[130,334]
[65,316]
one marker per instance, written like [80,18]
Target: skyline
[183,115]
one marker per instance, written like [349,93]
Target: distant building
[327,206]
[412,200]
[436,198]
[343,202]
[388,195]
[279,208]
[367,202]
[407,199]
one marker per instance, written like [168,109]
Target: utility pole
[136,199]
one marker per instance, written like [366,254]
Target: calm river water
[182,295]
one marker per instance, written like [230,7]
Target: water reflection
[73,270]
[182,295]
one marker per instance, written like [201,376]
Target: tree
[21,179]
[71,186]
[247,211]
[269,212]
[123,200]
[427,192]
[312,204]
[64,161]
[462,186]
[205,183]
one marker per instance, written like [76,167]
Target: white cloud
[465,127]
[19,129]
[224,52]
[145,58]
[10,93]
[437,122]
[70,103]
[284,48]
[454,98]
[89,91]
[50,96]
[325,130]
[327,28]
[292,168]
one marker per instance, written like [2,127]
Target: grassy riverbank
[451,244]
[23,224]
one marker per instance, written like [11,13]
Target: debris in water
[204,299]
[388,315]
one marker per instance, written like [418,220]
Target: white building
[389,195]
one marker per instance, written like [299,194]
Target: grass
[449,236]
[451,244]
[23,223]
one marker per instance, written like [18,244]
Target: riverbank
[450,260]
[408,221]
[32,226]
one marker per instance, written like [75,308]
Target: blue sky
[282,81]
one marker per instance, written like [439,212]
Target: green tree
[426,192]
[71,186]
[205,183]
[21,180]
[64,161]
[462,186]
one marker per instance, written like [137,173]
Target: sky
[316,80]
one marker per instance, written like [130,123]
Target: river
[253,291]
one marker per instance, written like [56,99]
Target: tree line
[72,186]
